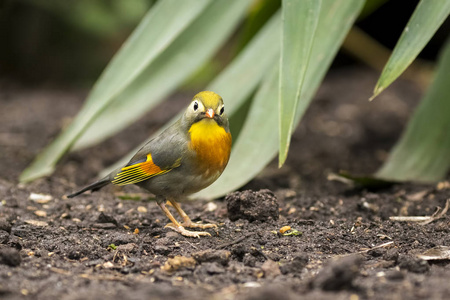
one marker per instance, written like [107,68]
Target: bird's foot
[181,230]
[190,224]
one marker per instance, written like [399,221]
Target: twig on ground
[376,247]
[409,218]
[438,214]
[234,242]
[192,245]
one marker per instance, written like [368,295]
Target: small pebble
[142,209]
[104,218]
[40,213]
[220,256]
[177,263]
[40,198]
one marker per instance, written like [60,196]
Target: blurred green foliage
[103,18]
[64,42]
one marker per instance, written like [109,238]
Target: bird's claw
[196,225]
[181,230]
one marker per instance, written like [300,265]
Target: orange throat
[212,145]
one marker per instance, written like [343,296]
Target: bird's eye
[195,105]
[222,110]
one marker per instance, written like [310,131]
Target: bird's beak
[210,113]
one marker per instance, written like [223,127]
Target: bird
[183,159]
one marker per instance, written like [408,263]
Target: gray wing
[157,157]
[166,149]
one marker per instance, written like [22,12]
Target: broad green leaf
[423,152]
[183,57]
[299,23]
[164,22]
[236,83]
[425,21]
[257,143]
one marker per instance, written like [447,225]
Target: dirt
[339,243]
[250,205]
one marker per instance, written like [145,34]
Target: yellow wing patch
[138,172]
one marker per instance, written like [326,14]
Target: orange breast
[212,145]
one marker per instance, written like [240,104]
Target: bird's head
[207,107]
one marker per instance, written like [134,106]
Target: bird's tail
[92,187]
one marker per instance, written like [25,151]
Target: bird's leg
[177,226]
[187,221]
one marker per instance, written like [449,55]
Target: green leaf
[183,57]
[422,153]
[300,20]
[151,37]
[424,22]
[258,140]
[236,83]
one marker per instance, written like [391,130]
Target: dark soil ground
[113,244]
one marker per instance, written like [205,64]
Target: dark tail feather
[92,187]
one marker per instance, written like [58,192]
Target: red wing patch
[139,172]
